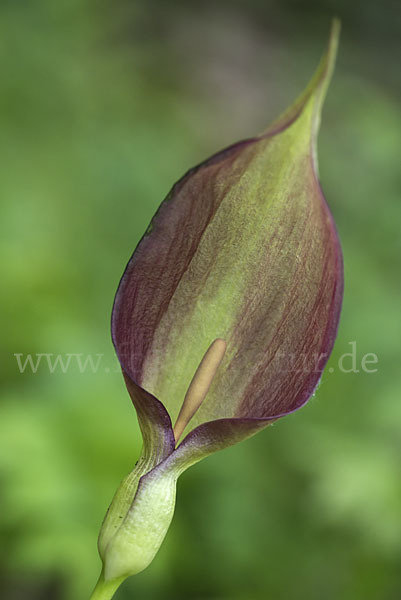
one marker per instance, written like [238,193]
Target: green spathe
[229,306]
[137,541]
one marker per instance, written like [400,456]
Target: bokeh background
[103,105]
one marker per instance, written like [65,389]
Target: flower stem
[105,590]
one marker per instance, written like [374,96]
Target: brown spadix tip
[200,385]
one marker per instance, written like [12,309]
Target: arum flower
[225,316]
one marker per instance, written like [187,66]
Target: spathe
[240,271]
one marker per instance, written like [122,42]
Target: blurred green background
[103,105]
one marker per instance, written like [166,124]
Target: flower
[225,316]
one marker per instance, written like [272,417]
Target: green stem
[105,590]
